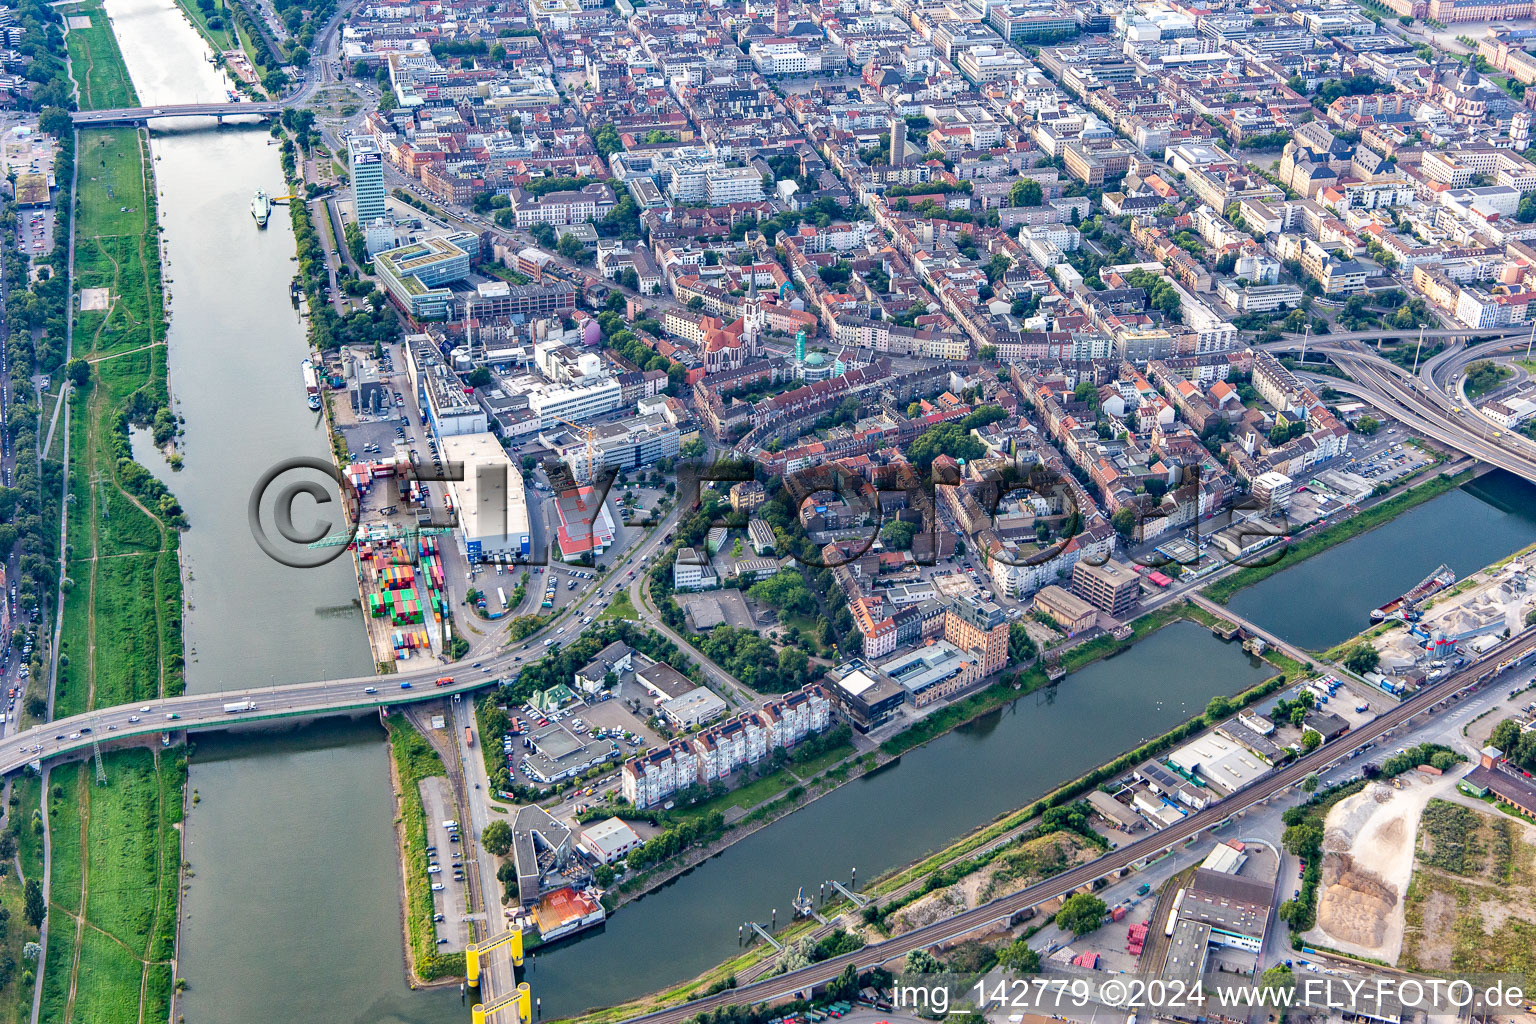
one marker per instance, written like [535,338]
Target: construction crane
[590,433]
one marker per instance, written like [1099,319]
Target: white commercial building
[490,501]
[578,400]
[609,840]
[367,166]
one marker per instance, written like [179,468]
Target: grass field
[97,63]
[116,848]
[1472,896]
[221,38]
[620,608]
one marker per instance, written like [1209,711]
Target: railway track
[1492,664]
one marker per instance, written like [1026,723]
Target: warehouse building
[490,501]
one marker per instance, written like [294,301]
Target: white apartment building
[733,185]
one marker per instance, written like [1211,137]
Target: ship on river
[1406,606]
[261,208]
[311,383]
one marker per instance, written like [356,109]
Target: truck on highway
[239,706]
[469,737]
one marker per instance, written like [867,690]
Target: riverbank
[96,61]
[412,759]
[111,958]
[1361,522]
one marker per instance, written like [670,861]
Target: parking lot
[34,232]
[1388,457]
[444,866]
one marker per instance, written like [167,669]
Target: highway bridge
[1516,649]
[1420,401]
[143,115]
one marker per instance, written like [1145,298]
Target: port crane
[344,538]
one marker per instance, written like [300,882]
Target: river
[898,814]
[293,910]
[1328,598]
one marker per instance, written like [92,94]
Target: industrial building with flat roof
[934,672]
[559,754]
[1071,612]
[1219,762]
[696,707]
[490,500]
[447,408]
[609,840]
[586,528]
[866,695]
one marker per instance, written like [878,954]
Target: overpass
[143,115]
[1518,648]
[1418,401]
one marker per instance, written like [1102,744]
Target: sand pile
[1356,902]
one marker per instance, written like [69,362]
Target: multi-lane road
[1418,400]
[1518,647]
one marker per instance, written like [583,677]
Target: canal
[1328,598]
[895,816]
[293,907]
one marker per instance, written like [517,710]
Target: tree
[1026,192]
[36,908]
[1021,647]
[78,371]
[846,984]
[1081,913]
[898,534]
[479,377]
[920,961]
[1275,982]
[1363,659]
[1311,739]
[1309,784]
[1505,735]
[1305,840]
[1219,707]
[1124,521]
[570,246]
[497,838]
[1019,958]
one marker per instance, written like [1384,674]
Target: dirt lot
[1472,902]
[1019,867]
[1367,861]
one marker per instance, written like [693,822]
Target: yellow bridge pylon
[523,997]
[512,939]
